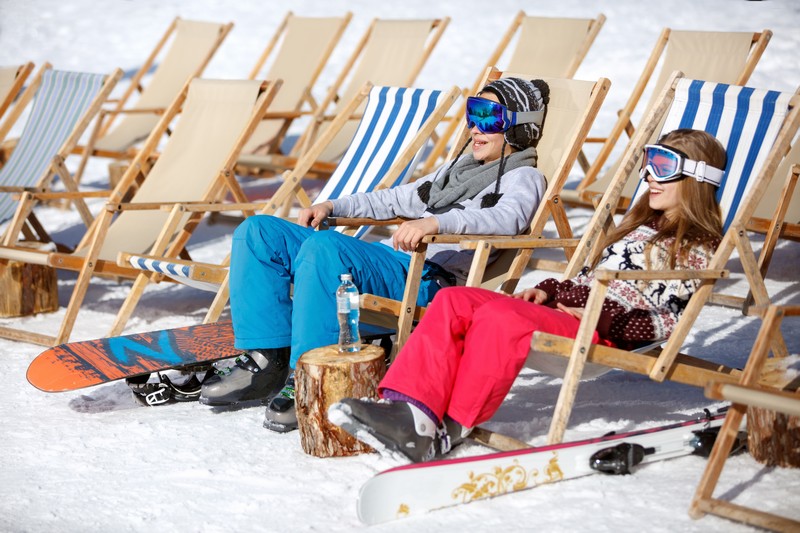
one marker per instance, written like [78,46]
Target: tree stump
[27,289]
[323,377]
[773,438]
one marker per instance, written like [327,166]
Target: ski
[415,489]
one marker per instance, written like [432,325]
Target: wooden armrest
[606,275]
[357,221]
[518,242]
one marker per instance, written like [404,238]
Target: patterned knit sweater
[634,312]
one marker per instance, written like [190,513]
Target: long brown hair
[699,220]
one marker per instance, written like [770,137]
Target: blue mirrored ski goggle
[664,164]
[491,117]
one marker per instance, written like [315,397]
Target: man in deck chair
[460,362]
[494,190]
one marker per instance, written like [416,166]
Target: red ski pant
[464,355]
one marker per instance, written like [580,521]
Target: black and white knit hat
[521,95]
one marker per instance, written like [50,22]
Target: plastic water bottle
[347,309]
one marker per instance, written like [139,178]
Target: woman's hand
[409,233]
[537,296]
[577,312]
[314,215]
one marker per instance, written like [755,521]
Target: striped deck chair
[573,106]
[392,52]
[210,121]
[306,44]
[725,57]
[64,105]
[394,127]
[756,127]
[552,47]
[192,45]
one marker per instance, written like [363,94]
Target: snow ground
[92,460]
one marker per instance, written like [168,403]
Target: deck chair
[297,53]
[572,108]
[64,105]
[550,46]
[756,127]
[391,53]
[756,388]
[196,165]
[12,81]
[724,57]
[394,126]
[192,45]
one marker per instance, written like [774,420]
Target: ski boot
[391,427]
[281,415]
[256,375]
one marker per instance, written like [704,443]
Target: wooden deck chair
[724,57]
[553,47]
[192,44]
[64,105]
[196,165]
[297,53]
[12,81]
[394,126]
[756,388]
[391,53]
[573,106]
[756,127]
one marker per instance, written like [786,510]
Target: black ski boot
[281,415]
[393,427]
[257,375]
[449,434]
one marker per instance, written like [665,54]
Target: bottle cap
[346,277]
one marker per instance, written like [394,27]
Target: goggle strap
[529,117]
[700,171]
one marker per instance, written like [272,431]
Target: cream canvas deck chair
[552,47]
[756,127]
[196,165]
[394,126]
[572,108]
[756,388]
[192,44]
[724,57]
[64,106]
[12,80]
[297,53]
[391,53]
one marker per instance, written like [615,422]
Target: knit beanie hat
[521,95]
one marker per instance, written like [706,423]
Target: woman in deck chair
[495,189]
[463,357]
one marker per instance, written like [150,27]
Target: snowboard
[415,489]
[77,365]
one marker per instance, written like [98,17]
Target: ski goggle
[668,164]
[491,117]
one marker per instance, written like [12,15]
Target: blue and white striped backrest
[60,102]
[745,120]
[391,119]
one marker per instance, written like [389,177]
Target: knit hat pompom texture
[521,95]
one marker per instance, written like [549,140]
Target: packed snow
[93,460]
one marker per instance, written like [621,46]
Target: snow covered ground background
[93,461]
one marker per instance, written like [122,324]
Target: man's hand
[314,215]
[537,296]
[409,233]
[577,312]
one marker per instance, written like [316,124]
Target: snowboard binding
[164,390]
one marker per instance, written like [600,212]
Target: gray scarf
[468,177]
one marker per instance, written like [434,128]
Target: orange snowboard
[77,365]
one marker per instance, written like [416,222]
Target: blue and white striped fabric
[60,102]
[745,120]
[167,268]
[392,118]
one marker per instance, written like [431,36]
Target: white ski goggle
[668,164]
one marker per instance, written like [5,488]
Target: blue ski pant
[269,255]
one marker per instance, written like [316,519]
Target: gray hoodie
[522,190]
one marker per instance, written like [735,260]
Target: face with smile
[487,146]
[664,196]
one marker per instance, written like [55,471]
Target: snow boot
[449,434]
[281,415]
[391,427]
[257,375]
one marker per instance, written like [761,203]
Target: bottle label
[342,304]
